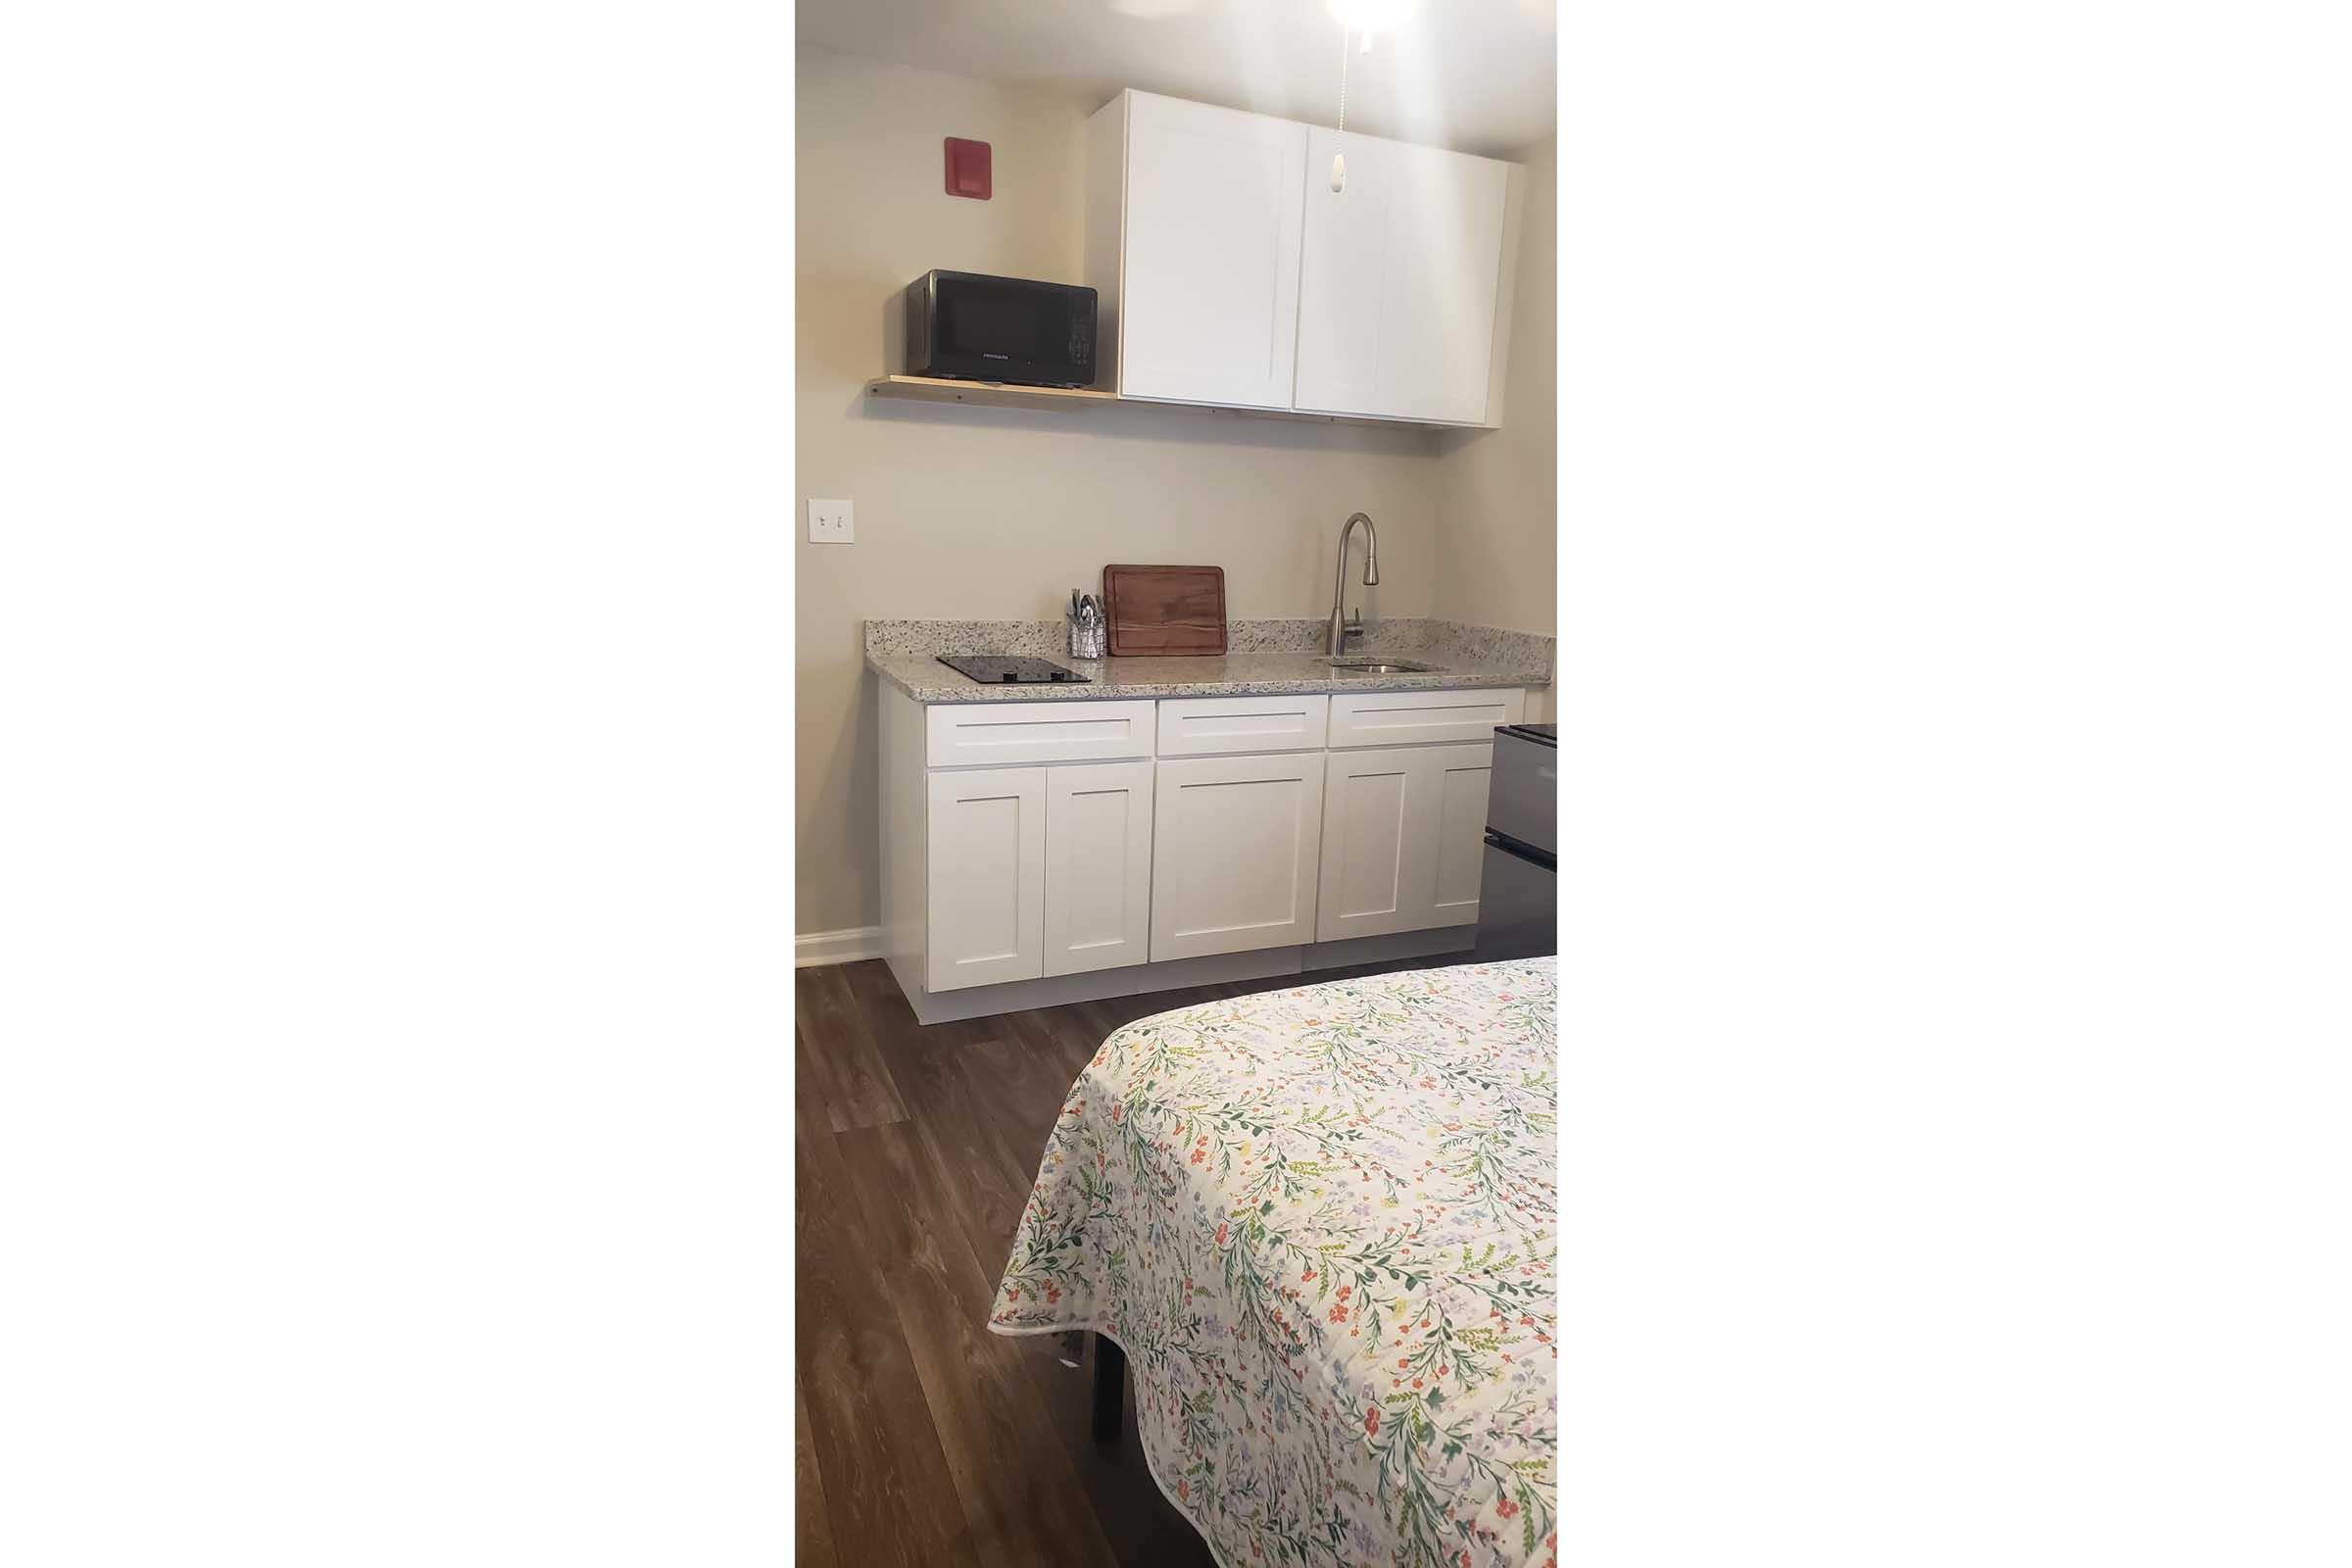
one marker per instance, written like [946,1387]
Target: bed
[1320,1225]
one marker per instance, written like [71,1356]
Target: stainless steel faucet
[1339,581]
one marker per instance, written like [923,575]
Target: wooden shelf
[1005,395]
[997,394]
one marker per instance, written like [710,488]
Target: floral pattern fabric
[1322,1222]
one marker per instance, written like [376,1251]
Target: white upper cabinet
[1401,281]
[1193,219]
[1228,272]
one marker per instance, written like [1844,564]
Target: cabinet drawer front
[1013,734]
[1420,718]
[1209,726]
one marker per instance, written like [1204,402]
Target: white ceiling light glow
[1360,20]
[1373,16]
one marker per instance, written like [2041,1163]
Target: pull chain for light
[1339,159]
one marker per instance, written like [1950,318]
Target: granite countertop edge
[926,680]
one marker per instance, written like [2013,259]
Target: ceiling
[1475,76]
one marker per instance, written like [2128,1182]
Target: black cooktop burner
[997,669]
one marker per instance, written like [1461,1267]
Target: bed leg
[1111,1389]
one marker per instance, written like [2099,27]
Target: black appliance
[979,328]
[997,669]
[1518,891]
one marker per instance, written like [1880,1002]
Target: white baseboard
[812,948]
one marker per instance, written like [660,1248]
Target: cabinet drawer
[1209,726]
[1011,734]
[1420,718]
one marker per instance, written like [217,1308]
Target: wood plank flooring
[923,1437]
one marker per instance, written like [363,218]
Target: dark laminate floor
[923,1437]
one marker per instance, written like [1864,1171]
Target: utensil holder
[1086,637]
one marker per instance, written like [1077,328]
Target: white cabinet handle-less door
[1208,298]
[1372,867]
[1400,278]
[1403,839]
[1098,866]
[987,877]
[1236,847]
[1458,779]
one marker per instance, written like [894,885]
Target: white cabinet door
[1235,850]
[1403,839]
[1209,301]
[1399,281]
[1098,866]
[1367,886]
[1457,778]
[987,877]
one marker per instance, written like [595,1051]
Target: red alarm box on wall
[967,169]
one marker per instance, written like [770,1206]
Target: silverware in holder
[1086,625]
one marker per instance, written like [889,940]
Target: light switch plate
[832,523]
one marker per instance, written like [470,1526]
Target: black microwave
[981,328]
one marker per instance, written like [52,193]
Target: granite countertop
[906,653]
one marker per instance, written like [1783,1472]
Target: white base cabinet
[1027,876]
[1403,839]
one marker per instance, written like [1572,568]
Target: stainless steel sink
[1381,667]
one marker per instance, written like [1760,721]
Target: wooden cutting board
[1164,609]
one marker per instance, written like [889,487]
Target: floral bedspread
[1321,1223]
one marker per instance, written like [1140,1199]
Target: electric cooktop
[997,669]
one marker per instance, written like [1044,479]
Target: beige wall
[998,513]
[1502,486]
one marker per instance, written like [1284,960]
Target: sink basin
[1380,667]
